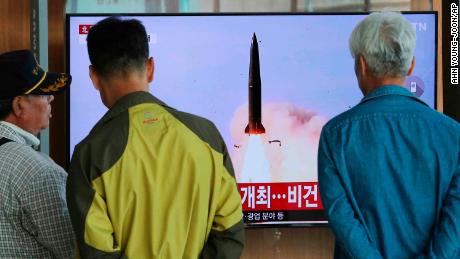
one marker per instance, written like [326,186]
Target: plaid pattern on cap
[34,220]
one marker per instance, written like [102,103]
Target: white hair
[386,40]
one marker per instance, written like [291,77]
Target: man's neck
[116,89]
[375,83]
[120,94]
[29,138]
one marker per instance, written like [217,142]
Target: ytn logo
[419,26]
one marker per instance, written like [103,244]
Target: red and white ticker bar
[280,196]
[83,30]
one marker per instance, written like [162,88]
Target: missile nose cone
[254,39]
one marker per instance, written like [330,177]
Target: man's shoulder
[20,153]
[441,117]
[27,163]
[343,118]
[191,119]
[433,118]
[414,109]
[446,121]
[201,127]
[110,129]
[104,144]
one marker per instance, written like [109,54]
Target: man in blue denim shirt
[388,168]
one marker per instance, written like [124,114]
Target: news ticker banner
[281,202]
[83,30]
[451,87]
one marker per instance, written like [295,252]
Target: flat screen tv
[209,65]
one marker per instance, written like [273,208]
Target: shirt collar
[130,100]
[28,137]
[390,90]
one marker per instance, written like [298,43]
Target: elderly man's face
[37,112]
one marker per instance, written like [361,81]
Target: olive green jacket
[153,182]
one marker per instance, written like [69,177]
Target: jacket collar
[387,90]
[127,101]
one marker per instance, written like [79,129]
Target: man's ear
[150,69]
[362,66]
[411,68]
[94,77]
[18,106]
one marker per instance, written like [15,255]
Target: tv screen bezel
[69,16]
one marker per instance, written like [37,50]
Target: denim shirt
[389,178]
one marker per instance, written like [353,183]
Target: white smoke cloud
[294,158]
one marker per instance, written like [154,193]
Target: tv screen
[269,82]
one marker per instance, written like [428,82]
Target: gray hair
[386,40]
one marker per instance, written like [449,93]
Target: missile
[255,92]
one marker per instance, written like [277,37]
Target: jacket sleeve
[88,211]
[44,211]
[445,241]
[226,239]
[350,233]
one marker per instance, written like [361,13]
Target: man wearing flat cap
[34,220]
